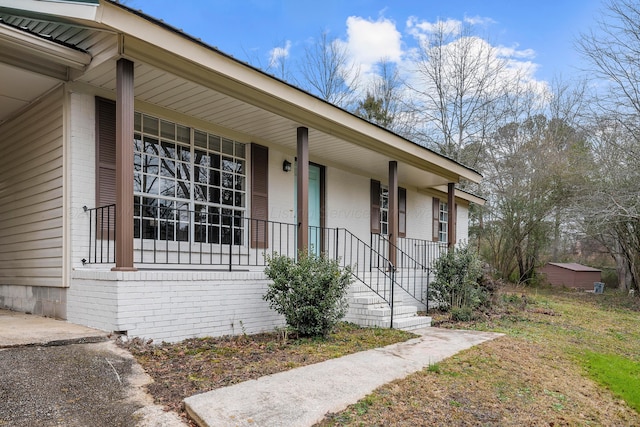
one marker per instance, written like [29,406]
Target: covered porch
[179,162]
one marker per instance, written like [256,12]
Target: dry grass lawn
[533,376]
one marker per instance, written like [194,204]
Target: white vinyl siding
[31,215]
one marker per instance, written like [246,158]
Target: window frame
[194,210]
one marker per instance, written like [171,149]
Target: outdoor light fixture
[286,166]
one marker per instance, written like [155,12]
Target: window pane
[227,147]
[183,190]
[137,122]
[168,168]
[238,199]
[214,195]
[184,153]
[240,149]
[167,130]
[151,146]
[239,183]
[168,149]
[201,174]
[183,134]
[227,180]
[150,125]
[227,197]
[214,143]
[200,139]
[240,167]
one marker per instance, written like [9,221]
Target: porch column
[302,209]
[451,218]
[393,211]
[124,166]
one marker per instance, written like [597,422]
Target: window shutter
[375,206]
[105,167]
[455,222]
[436,220]
[259,196]
[105,152]
[402,212]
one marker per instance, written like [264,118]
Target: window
[189,185]
[380,209]
[444,221]
[441,220]
[384,210]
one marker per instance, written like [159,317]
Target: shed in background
[571,275]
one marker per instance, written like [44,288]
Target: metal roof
[574,266]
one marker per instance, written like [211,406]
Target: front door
[315,232]
[315,207]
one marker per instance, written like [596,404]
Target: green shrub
[457,284]
[462,314]
[310,292]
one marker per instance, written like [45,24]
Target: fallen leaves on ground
[198,365]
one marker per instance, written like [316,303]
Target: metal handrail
[406,264]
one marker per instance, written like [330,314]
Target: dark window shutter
[455,222]
[402,212]
[105,152]
[436,220]
[105,167]
[259,196]
[375,206]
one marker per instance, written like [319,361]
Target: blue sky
[540,33]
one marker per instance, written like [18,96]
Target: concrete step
[412,323]
[400,311]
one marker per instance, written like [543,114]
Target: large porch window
[189,185]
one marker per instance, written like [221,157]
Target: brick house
[146,174]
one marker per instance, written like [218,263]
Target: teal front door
[315,195]
[315,233]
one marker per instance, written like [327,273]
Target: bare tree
[534,169]
[387,102]
[327,71]
[613,51]
[462,84]
[611,209]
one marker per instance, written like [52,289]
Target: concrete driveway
[54,373]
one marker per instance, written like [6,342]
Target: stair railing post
[392,270]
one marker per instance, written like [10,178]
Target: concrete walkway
[302,396]
[20,329]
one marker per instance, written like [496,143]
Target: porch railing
[413,258]
[368,265]
[173,236]
[185,237]
[102,235]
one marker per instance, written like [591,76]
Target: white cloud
[278,53]
[369,41]
[479,20]
[513,52]
[421,29]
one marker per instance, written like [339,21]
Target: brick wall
[82,170]
[171,305]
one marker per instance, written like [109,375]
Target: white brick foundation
[171,305]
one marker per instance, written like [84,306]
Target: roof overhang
[17,43]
